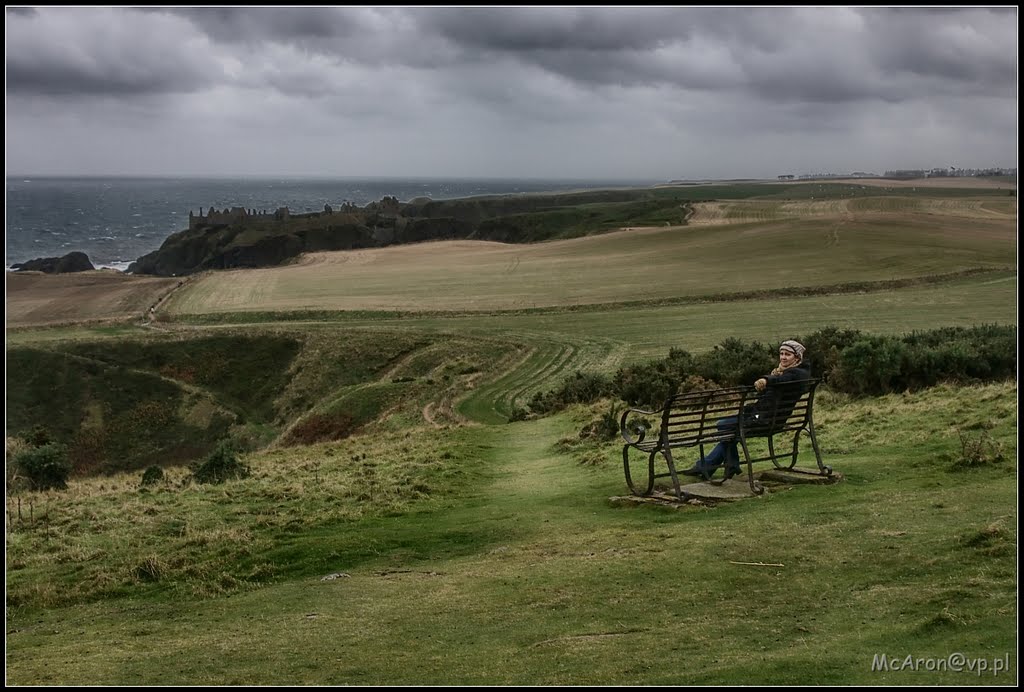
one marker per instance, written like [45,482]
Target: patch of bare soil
[38,299]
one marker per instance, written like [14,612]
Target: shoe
[732,471]
[705,472]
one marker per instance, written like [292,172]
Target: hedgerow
[847,360]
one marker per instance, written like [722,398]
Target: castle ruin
[234,215]
[387,207]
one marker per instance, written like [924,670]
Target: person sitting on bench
[791,368]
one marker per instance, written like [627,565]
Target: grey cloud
[558,29]
[369,86]
[84,52]
[284,24]
[969,45]
[832,55]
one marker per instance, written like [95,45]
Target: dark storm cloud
[496,90]
[106,52]
[525,30]
[828,55]
[245,24]
[976,46]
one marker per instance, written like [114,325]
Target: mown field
[440,544]
[768,244]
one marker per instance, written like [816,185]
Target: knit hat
[794,346]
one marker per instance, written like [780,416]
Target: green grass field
[441,545]
[649,264]
[484,555]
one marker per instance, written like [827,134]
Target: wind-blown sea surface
[116,220]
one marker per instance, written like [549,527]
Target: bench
[690,421]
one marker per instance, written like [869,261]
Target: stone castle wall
[214,217]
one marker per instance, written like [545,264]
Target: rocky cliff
[267,241]
[71,262]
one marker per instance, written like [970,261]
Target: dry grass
[37,299]
[764,246]
[950,183]
[729,246]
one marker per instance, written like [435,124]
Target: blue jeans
[724,452]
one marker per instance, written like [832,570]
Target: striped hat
[794,346]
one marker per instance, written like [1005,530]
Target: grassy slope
[507,565]
[487,554]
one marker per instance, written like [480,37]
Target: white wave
[119,266]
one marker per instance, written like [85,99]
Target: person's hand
[761,384]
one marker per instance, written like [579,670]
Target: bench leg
[824,470]
[755,486]
[672,471]
[637,488]
[629,476]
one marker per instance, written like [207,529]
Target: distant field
[731,247]
[37,299]
[648,332]
[737,211]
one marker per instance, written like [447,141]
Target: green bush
[39,436]
[580,388]
[650,384]
[824,348]
[734,362]
[45,467]
[849,361]
[870,366]
[152,476]
[221,465]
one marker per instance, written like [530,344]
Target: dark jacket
[776,402]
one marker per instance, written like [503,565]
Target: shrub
[153,475]
[696,383]
[221,465]
[979,451]
[604,428]
[650,384]
[870,366]
[45,467]
[644,385]
[824,348]
[734,362]
[580,388]
[850,362]
[39,436]
[518,413]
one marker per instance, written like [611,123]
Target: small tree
[220,465]
[44,467]
[153,475]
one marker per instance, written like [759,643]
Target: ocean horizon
[117,219]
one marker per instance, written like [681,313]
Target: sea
[116,220]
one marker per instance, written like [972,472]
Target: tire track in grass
[483,403]
[551,358]
[555,356]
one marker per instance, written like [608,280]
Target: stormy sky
[546,92]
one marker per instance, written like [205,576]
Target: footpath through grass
[529,576]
